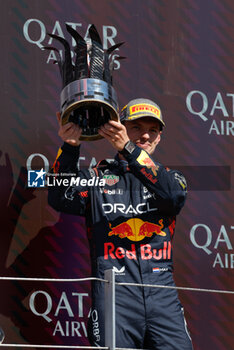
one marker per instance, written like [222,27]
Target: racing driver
[130,223]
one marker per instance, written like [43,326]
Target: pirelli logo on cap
[144,108]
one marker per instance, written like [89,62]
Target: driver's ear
[159,136]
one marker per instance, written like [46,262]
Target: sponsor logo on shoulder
[181,179]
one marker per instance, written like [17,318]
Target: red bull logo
[122,230]
[137,229]
[148,229]
[150,165]
[146,252]
[144,159]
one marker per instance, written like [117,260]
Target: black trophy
[88,97]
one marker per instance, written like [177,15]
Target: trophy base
[90,103]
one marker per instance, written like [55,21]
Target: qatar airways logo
[70,307]
[217,112]
[215,242]
[35,30]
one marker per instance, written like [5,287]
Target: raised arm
[65,193]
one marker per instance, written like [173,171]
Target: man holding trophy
[131,219]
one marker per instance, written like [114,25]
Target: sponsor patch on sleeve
[144,159]
[181,180]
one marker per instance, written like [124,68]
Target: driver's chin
[146,148]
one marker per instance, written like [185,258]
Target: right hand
[69,132]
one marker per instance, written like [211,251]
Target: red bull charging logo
[144,159]
[137,229]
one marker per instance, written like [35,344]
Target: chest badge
[111,180]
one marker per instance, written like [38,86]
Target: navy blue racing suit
[130,209]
